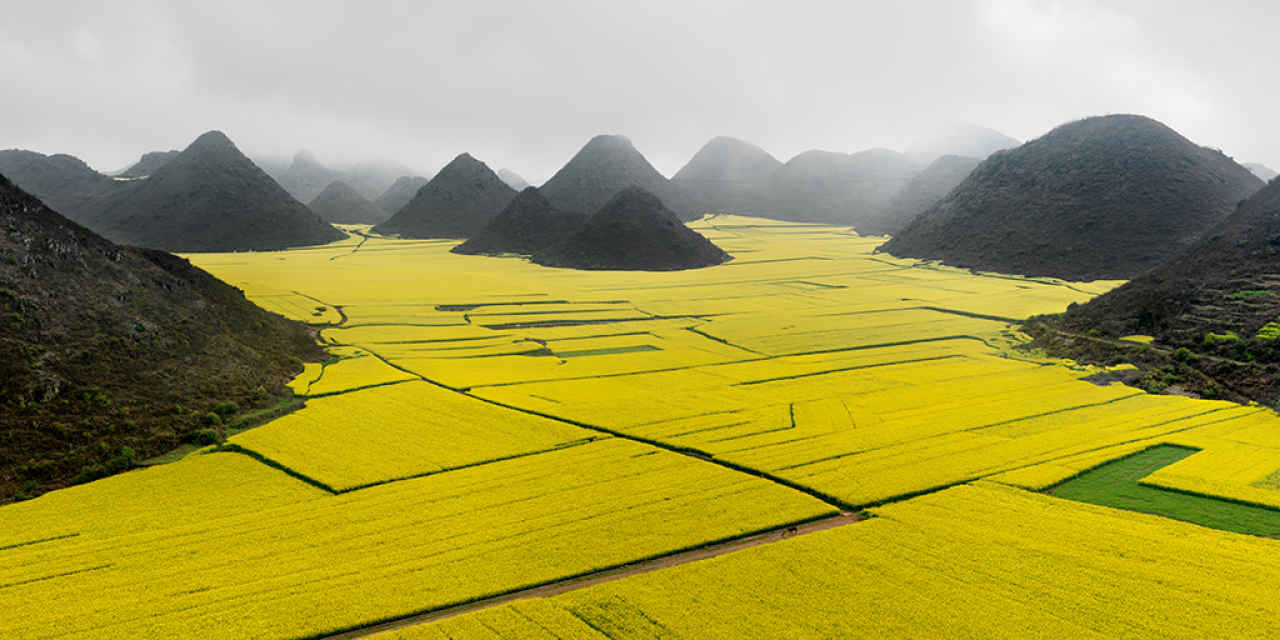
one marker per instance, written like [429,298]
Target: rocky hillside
[210,198]
[457,203]
[726,176]
[922,192]
[606,165]
[1213,311]
[1101,198]
[111,354]
[633,231]
[340,204]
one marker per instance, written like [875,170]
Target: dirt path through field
[608,575]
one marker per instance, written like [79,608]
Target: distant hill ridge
[400,193]
[633,231]
[1100,198]
[838,188]
[924,190]
[148,164]
[457,203]
[726,175]
[606,165]
[965,140]
[1264,173]
[340,204]
[64,182]
[210,198]
[513,179]
[528,224]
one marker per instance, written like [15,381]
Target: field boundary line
[235,448]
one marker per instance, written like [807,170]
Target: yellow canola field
[974,561]
[1239,458]
[410,429]
[200,488]
[871,425]
[318,565]
[353,369]
[535,619]
[809,357]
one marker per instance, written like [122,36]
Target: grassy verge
[239,424]
[1116,484]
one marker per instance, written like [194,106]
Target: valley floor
[501,450]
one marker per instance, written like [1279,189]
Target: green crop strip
[1118,484]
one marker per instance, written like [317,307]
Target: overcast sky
[524,84]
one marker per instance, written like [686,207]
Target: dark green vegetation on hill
[1118,484]
[604,166]
[209,198]
[400,193]
[1101,198]
[926,189]
[148,164]
[529,224]
[457,203]
[112,354]
[340,204]
[633,231]
[837,188]
[1213,309]
[726,175]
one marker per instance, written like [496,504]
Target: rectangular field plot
[199,488]
[316,566]
[871,425]
[350,369]
[784,334]
[1237,458]
[414,428]
[975,561]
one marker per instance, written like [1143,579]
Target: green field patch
[1118,484]
[608,351]
[806,284]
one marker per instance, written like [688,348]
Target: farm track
[363,239]
[564,585]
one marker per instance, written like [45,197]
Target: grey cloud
[523,85]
